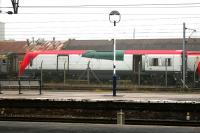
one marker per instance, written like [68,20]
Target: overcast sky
[88,19]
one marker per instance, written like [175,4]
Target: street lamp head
[9,12]
[114,17]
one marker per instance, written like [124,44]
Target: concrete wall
[2,31]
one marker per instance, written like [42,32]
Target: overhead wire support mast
[184,55]
[15,4]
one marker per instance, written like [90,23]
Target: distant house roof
[13,47]
[24,46]
[46,45]
[136,44]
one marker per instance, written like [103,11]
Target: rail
[38,118]
[32,83]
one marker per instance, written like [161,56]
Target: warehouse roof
[12,46]
[137,44]
[192,44]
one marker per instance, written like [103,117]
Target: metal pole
[41,73]
[114,14]
[114,64]
[184,54]
[40,87]
[166,63]
[64,73]
[19,86]
[0,89]
[88,72]
[139,73]
[194,74]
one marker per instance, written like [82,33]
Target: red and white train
[128,64]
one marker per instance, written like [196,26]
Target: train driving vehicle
[152,65]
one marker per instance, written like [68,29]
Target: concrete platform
[98,105]
[146,97]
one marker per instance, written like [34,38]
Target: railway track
[102,121]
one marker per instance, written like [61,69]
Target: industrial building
[2,31]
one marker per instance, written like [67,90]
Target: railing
[20,83]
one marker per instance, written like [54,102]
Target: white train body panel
[151,61]
[77,62]
[192,62]
[156,62]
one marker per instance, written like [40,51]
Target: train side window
[154,62]
[168,62]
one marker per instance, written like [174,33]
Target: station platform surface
[136,97]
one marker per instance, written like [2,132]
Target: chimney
[33,40]
[54,39]
[28,42]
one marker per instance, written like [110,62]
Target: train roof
[142,52]
[60,52]
[133,52]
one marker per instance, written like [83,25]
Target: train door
[13,63]
[62,62]
[3,64]
[137,63]
[136,68]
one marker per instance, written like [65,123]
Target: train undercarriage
[134,78]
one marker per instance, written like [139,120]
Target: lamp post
[114,17]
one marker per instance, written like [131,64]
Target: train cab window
[3,61]
[153,62]
[31,62]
